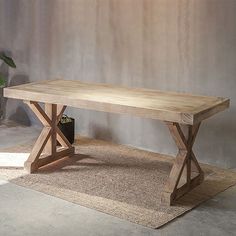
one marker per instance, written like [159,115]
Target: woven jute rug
[118,180]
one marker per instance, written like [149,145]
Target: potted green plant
[8,61]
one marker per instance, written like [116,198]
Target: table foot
[186,172]
[45,149]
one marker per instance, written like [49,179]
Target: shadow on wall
[101,132]
[19,79]
[16,109]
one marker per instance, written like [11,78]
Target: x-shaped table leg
[180,181]
[47,140]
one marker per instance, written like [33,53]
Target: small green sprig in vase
[9,61]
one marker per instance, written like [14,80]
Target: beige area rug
[117,180]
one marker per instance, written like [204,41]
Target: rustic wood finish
[168,106]
[47,139]
[184,159]
[173,108]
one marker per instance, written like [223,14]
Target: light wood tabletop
[168,106]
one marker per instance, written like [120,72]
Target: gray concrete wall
[180,45]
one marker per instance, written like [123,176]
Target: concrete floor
[27,212]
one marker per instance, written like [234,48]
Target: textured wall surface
[180,45]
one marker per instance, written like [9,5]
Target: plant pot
[68,129]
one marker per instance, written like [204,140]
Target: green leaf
[2,81]
[7,60]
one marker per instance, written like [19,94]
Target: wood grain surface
[168,106]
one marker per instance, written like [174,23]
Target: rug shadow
[81,160]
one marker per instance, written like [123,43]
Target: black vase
[68,129]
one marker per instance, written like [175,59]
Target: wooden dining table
[48,99]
